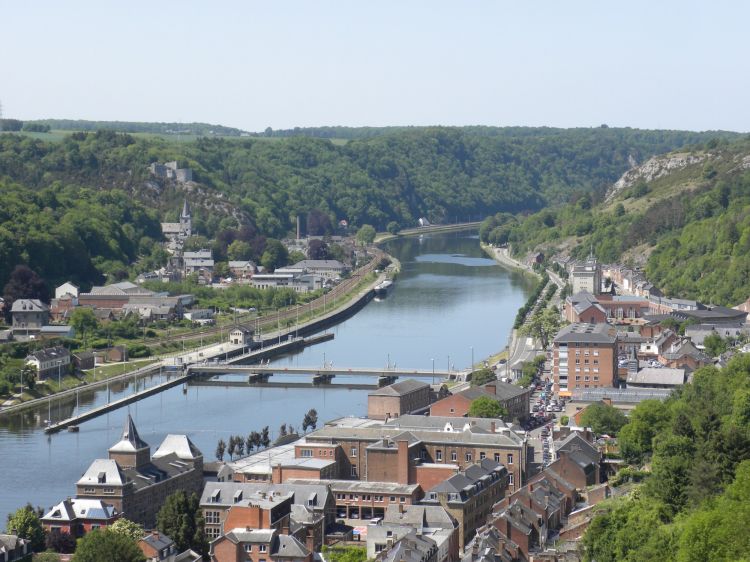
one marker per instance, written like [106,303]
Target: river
[450,301]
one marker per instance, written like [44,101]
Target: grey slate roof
[50,354]
[586,333]
[130,440]
[301,491]
[29,305]
[419,516]
[662,376]
[400,388]
[180,445]
[158,541]
[508,439]
[103,471]
[506,391]
[290,547]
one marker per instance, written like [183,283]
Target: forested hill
[137,127]
[685,217]
[445,174]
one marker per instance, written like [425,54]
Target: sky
[647,64]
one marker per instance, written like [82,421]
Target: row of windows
[586,361]
[261,548]
[469,456]
[586,378]
[368,497]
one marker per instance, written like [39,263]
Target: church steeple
[130,451]
[185,210]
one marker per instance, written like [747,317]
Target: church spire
[130,440]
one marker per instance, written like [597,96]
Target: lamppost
[449,363]
[471,367]
[433,370]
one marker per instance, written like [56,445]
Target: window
[354,451]
[212,517]
[262,547]
[366,497]
[248,548]
[452,411]
[379,498]
[578,361]
[439,455]
[402,499]
[454,456]
[510,478]
[213,532]
[578,377]
[596,379]
[497,457]
[482,456]
[393,498]
[585,379]
[468,457]
[351,496]
[354,470]
[510,458]
[306,452]
[379,547]
[88,490]
[109,490]
[596,361]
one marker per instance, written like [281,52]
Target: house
[404,397]
[67,289]
[157,547]
[242,269]
[255,545]
[84,360]
[468,496]
[13,548]
[201,263]
[136,483]
[584,307]
[49,362]
[114,354]
[79,516]
[428,521]
[218,498]
[513,398]
[29,315]
[330,269]
[61,308]
[683,354]
[409,547]
[584,355]
[241,335]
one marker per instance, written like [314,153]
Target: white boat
[381,289]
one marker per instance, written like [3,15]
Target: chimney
[492,426]
[155,534]
[310,539]
[277,474]
[402,462]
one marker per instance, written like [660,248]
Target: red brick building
[584,356]
[405,397]
[79,516]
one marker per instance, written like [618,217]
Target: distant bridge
[323,374]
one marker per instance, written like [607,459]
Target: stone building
[136,483]
[29,315]
[405,397]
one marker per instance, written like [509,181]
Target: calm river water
[449,299]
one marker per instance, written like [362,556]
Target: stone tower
[130,451]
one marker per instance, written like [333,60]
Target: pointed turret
[130,451]
[185,209]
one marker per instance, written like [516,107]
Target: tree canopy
[486,407]
[98,545]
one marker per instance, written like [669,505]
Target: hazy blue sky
[648,64]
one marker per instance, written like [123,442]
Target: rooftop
[400,388]
[586,333]
[658,376]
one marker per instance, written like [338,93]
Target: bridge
[261,373]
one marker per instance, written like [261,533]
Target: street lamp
[433,370]
[471,367]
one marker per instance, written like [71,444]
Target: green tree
[310,420]
[393,227]
[29,375]
[180,519]
[99,545]
[366,234]
[274,256]
[83,320]
[25,523]
[128,528]
[482,376]
[486,407]
[543,325]
[239,250]
[715,345]
[646,420]
[47,557]
[603,418]
[220,448]
[265,438]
